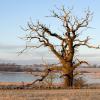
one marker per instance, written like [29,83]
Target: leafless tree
[66,44]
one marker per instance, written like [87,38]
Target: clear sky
[16,13]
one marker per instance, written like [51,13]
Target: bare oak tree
[66,44]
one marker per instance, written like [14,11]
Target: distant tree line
[12,67]
[92,66]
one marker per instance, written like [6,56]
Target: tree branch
[46,73]
[84,21]
[85,43]
[78,64]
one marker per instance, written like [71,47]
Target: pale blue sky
[16,13]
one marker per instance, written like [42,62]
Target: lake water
[16,77]
[26,77]
[92,78]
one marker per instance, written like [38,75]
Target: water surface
[90,78]
[16,77]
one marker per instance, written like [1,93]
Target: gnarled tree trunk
[68,74]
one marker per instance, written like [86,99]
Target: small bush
[79,83]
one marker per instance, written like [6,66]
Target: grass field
[71,94]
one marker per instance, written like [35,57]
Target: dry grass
[14,83]
[72,94]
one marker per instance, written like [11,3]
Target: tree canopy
[68,41]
